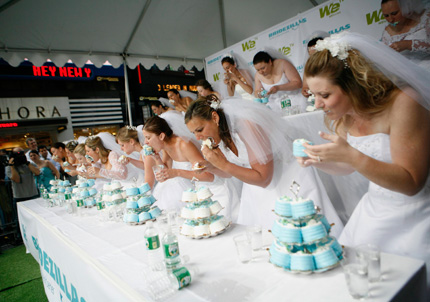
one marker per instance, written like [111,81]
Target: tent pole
[127,93]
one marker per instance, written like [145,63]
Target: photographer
[22,172]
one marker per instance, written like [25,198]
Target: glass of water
[243,247]
[355,269]
[370,253]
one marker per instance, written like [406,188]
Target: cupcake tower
[60,192]
[302,241]
[139,207]
[84,193]
[201,214]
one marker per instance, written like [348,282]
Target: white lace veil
[185,93]
[176,122]
[140,135]
[395,66]
[411,8]
[166,102]
[263,130]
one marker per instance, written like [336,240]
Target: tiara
[131,128]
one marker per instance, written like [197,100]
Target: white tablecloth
[344,191]
[106,262]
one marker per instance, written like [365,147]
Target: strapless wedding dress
[397,223]
[240,92]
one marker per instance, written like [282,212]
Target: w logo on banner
[375,17]
[248,45]
[330,10]
[216,76]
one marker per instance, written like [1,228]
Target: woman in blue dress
[47,170]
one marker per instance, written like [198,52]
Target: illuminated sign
[62,72]
[167,87]
[8,125]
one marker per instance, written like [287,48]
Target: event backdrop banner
[289,39]
[68,274]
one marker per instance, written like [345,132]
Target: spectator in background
[22,173]
[48,171]
[44,155]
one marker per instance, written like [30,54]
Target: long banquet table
[84,259]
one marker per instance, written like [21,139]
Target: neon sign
[8,125]
[62,72]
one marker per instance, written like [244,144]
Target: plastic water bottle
[165,284]
[171,246]
[153,247]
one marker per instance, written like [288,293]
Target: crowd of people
[375,100]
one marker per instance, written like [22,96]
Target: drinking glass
[355,269]
[371,254]
[256,236]
[243,247]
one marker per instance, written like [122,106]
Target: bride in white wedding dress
[377,103]
[238,81]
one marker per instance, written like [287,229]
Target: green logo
[171,250]
[375,17]
[216,76]
[285,50]
[330,10]
[250,45]
[183,276]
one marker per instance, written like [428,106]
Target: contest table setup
[84,259]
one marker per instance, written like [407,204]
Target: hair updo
[158,125]
[201,108]
[125,134]
[80,149]
[368,89]
[228,60]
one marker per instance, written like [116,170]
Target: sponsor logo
[249,45]
[339,29]
[300,68]
[375,17]
[216,76]
[286,29]
[286,50]
[211,61]
[330,10]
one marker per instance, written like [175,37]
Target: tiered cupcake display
[139,207]
[60,192]
[302,241]
[201,214]
[84,193]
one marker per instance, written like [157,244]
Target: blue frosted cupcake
[298,148]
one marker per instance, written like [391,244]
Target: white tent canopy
[175,32]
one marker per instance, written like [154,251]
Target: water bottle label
[67,196]
[100,205]
[152,243]
[171,250]
[285,103]
[80,202]
[183,276]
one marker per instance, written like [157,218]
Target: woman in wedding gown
[276,76]
[408,29]
[382,131]
[238,81]
[252,145]
[176,155]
